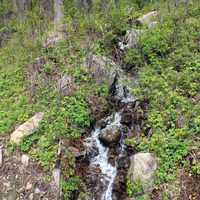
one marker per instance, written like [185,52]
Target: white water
[108,171]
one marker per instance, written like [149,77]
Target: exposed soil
[190,186]
[21,182]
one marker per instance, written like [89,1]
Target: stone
[37,190]
[26,129]
[110,135]
[76,152]
[29,186]
[126,118]
[131,39]
[147,18]
[56,176]
[101,68]
[142,168]
[25,160]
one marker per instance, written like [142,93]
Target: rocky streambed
[107,155]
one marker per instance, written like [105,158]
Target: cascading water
[101,159]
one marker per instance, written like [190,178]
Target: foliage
[169,79]
[195,167]
[134,189]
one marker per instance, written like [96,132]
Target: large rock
[27,128]
[110,135]
[142,168]
[131,39]
[101,68]
[148,18]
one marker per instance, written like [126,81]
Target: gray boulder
[142,168]
[110,136]
[131,39]
[102,69]
[148,18]
[28,128]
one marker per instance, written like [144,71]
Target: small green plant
[71,185]
[195,167]
[134,188]
[28,141]
[48,68]
[133,60]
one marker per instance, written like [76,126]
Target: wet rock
[101,68]
[142,168]
[123,162]
[148,18]
[101,123]
[119,93]
[28,128]
[92,152]
[110,136]
[126,118]
[76,152]
[25,160]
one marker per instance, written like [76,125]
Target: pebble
[28,186]
[25,160]
[37,190]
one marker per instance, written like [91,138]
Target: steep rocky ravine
[107,157]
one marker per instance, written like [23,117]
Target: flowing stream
[101,159]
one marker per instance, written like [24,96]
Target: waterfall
[101,159]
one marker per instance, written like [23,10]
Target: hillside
[99,100]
